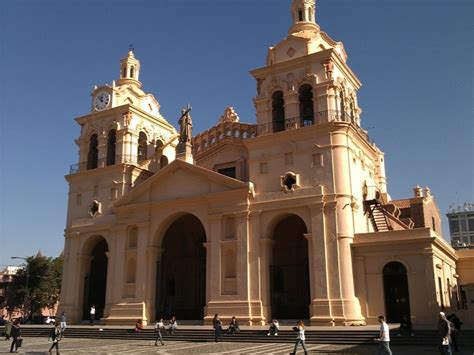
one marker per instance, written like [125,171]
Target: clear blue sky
[414,58]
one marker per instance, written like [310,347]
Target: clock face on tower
[101,101]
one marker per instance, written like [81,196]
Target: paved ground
[102,346]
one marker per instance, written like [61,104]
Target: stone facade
[286,218]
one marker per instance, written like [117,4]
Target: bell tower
[129,70]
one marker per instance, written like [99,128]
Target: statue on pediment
[185,125]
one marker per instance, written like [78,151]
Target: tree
[35,286]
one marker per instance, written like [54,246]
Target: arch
[132,72]
[111,140]
[305,98]
[142,146]
[289,269]
[278,111]
[300,14]
[396,293]
[93,154]
[124,72]
[95,280]
[181,274]
[158,144]
[163,161]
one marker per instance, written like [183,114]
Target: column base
[336,312]
[125,313]
[246,312]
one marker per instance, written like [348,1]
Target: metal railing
[298,122]
[100,163]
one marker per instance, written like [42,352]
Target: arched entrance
[181,281]
[289,270]
[96,280]
[395,285]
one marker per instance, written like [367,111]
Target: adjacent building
[289,217]
[461,225]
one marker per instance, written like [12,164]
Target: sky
[413,57]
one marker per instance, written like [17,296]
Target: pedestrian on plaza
[56,336]
[138,326]
[300,338]
[63,323]
[172,325]
[444,332]
[405,326]
[217,324]
[92,315]
[159,326]
[2,320]
[8,329]
[455,324]
[233,326]
[274,327]
[16,335]
[384,337]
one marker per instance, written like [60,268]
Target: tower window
[142,138]
[132,72]
[278,111]
[93,153]
[124,72]
[163,161]
[300,15]
[111,140]
[306,105]
[341,105]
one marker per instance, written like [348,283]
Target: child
[274,327]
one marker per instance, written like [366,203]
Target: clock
[102,101]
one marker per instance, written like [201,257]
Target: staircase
[206,334]
[377,216]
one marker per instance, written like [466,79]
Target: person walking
[300,338]
[8,329]
[55,335]
[16,335]
[444,332]
[63,323]
[92,315]
[384,337]
[455,325]
[159,326]
[217,324]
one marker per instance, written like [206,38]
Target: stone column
[140,275]
[292,110]
[345,226]
[153,257]
[321,313]
[102,149]
[266,245]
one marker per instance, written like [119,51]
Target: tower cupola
[129,70]
[303,13]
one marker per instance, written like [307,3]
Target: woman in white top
[300,338]
[159,326]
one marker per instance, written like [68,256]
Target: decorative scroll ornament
[229,115]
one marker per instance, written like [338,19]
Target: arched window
[300,15]
[163,161]
[93,154]
[278,111]
[158,144]
[132,72]
[142,139]
[306,105]
[111,140]
[124,72]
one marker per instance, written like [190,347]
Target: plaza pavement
[105,346]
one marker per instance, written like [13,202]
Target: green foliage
[36,285]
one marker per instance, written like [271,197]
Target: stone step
[206,334]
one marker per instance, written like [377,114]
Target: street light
[27,296]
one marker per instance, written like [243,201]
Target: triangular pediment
[181,180]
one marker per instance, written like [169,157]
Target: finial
[131,48]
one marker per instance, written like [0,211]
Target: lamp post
[27,296]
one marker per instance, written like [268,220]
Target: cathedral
[288,218]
